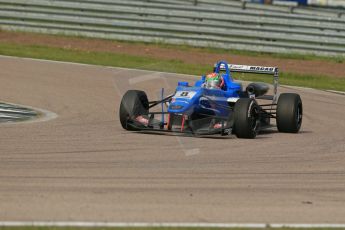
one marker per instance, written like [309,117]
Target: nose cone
[184,100]
[178,106]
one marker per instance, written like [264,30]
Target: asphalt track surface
[82,166]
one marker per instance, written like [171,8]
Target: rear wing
[254,70]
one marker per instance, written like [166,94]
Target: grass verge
[295,56]
[155,64]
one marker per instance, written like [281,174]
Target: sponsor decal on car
[184,94]
[247,68]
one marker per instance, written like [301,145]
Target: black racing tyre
[133,103]
[246,118]
[289,113]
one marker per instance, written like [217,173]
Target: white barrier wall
[335,3]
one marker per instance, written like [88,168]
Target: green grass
[296,56]
[303,80]
[174,66]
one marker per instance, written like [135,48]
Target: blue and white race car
[206,108]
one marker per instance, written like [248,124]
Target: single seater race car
[206,108]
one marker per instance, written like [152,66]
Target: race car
[206,108]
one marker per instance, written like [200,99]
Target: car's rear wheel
[246,118]
[134,103]
[289,113]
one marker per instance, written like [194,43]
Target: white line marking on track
[335,91]
[138,224]
[91,65]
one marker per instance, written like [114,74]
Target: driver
[214,81]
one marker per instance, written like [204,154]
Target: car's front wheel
[246,118]
[134,103]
